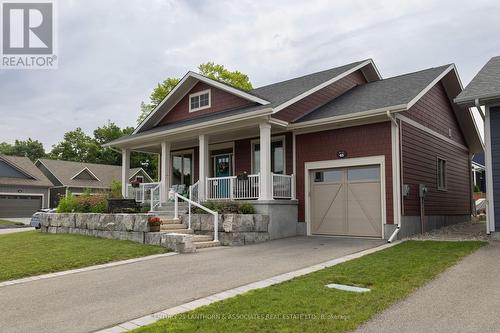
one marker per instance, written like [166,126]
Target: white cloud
[112,53]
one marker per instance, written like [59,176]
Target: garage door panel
[364,211]
[329,215]
[346,201]
[19,206]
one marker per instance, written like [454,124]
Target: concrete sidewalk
[465,298]
[90,301]
[14,230]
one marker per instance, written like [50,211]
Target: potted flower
[154,223]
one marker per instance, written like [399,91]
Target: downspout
[398,227]
[478,106]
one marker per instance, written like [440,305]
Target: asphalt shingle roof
[280,92]
[27,167]
[398,90]
[65,170]
[486,84]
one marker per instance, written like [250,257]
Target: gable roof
[397,94]
[394,93]
[181,89]
[485,86]
[65,172]
[285,93]
[25,166]
[276,96]
[88,172]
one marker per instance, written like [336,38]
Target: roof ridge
[77,162]
[313,73]
[410,73]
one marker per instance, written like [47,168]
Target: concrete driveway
[93,300]
[465,298]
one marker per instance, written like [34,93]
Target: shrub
[83,204]
[246,208]
[225,207]
[67,204]
[116,189]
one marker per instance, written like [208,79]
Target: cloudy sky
[112,53]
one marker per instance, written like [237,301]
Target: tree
[33,149]
[76,146]
[210,70]
[220,73]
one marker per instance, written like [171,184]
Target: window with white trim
[139,179]
[441,174]
[277,156]
[199,101]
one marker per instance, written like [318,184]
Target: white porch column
[125,171]
[203,166]
[165,170]
[266,179]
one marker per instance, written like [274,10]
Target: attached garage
[346,200]
[19,205]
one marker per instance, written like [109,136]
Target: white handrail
[191,202]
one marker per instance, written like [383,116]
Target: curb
[171,312]
[85,269]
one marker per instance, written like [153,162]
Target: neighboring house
[484,92]
[342,150]
[77,177]
[478,172]
[23,188]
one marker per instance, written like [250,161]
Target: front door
[222,168]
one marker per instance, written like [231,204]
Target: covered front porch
[241,161]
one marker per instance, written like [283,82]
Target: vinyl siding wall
[495,156]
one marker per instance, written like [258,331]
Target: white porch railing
[176,196]
[232,188]
[142,193]
[155,197]
[282,186]
[193,192]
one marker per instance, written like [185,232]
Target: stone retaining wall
[133,227]
[234,229]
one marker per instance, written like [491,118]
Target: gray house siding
[495,159]
[23,190]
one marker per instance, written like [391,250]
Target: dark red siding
[420,151]
[434,111]
[359,141]
[220,101]
[323,96]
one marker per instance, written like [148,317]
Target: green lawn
[305,305]
[32,253]
[5,222]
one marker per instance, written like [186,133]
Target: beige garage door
[346,201]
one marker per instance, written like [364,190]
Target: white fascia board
[278,122]
[209,81]
[430,85]
[323,85]
[26,173]
[88,170]
[348,117]
[200,126]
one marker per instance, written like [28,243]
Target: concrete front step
[177,231]
[202,238]
[203,245]
[172,226]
